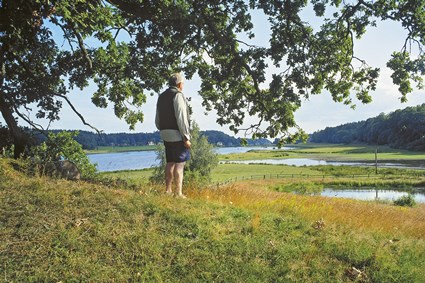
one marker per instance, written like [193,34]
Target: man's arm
[180,109]
[157,119]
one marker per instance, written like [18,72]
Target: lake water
[412,164]
[369,194]
[136,160]
[117,161]
[145,159]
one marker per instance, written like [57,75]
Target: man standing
[172,119]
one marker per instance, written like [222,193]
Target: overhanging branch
[78,113]
[29,121]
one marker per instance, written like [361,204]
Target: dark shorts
[176,152]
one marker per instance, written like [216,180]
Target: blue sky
[315,114]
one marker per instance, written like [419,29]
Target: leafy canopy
[49,47]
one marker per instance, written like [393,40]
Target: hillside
[56,230]
[403,129]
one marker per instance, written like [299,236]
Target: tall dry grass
[343,213]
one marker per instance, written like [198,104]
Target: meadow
[233,171]
[250,230]
[336,152]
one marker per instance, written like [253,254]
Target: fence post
[376,161]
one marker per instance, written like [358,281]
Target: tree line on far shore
[91,140]
[403,129]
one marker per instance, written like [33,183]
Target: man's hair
[175,79]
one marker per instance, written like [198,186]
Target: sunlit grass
[349,214]
[132,176]
[232,171]
[59,231]
[348,176]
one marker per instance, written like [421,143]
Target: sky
[315,114]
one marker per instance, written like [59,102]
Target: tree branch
[83,49]
[56,22]
[28,120]
[78,113]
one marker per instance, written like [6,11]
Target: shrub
[62,146]
[198,169]
[407,200]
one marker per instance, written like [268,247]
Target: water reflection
[369,194]
[413,164]
[145,159]
[123,160]
[289,161]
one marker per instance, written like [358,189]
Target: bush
[407,200]
[198,169]
[59,147]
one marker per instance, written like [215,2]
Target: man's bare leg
[178,178]
[169,175]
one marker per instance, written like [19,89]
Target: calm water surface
[145,159]
[117,161]
[135,160]
[369,194]
[413,164]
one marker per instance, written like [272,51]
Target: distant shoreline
[112,149]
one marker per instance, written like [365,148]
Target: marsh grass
[353,214]
[54,230]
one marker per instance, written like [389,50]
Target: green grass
[229,171]
[66,231]
[337,176]
[56,230]
[329,152]
[131,176]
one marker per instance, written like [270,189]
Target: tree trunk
[19,137]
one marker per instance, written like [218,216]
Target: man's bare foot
[181,196]
[169,193]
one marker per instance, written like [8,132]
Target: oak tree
[208,38]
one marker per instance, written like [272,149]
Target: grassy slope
[55,230]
